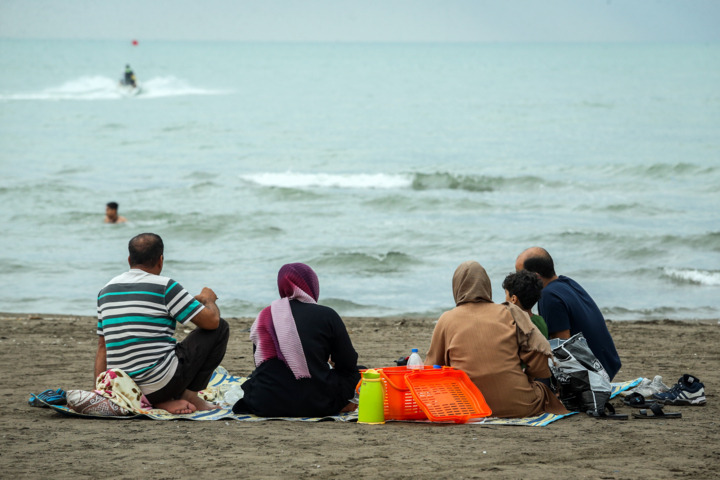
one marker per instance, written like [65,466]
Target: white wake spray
[104,88]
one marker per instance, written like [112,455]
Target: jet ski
[129,88]
[128,82]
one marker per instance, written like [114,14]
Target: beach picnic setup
[397,402]
[307,369]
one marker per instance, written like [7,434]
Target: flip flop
[637,400]
[52,397]
[601,415]
[657,413]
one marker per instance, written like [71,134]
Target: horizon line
[403,42]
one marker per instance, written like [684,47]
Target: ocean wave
[9,266]
[42,188]
[104,88]
[635,247]
[328,180]
[366,263]
[698,277]
[197,226]
[347,307]
[622,208]
[475,183]
[408,203]
[208,184]
[663,170]
[291,194]
[705,241]
[622,313]
[415,181]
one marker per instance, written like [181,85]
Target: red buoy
[135,43]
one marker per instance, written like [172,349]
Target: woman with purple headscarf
[293,339]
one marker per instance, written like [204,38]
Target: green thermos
[371,409]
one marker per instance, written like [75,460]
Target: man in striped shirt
[137,314]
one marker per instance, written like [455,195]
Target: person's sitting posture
[292,341]
[111,214]
[524,289]
[568,309]
[489,342]
[137,313]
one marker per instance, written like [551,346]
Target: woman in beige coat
[489,342]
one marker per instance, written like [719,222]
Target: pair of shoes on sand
[688,391]
[648,388]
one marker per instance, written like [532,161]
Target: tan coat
[489,341]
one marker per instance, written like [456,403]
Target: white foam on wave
[104,88]
[701,277]
[327,180]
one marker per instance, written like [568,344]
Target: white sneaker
[645,383]
[658,385]
[648,388]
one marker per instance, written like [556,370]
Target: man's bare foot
[176,406]
[198,402]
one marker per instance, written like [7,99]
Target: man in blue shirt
[568,309]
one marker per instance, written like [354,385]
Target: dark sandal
[52,397]
[657,413]
[636,400]
[601,415]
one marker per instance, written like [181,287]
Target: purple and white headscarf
[274,332]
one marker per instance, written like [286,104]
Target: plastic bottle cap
[437,366]
[414,350]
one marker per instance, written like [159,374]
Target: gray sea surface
[383,166]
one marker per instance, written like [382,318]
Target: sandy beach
[44,351]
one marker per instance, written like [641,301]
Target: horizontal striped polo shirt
[137,312]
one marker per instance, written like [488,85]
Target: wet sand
[50,351]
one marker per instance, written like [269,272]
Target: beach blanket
[222,381]
[548,418]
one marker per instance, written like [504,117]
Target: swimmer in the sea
[111,214]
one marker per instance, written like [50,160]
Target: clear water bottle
[415,362]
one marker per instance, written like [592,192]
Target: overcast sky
[365,20]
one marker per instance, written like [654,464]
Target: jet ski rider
[129,77]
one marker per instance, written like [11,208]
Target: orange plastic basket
[447,395]
[399,403]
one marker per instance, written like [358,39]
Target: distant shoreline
[391,320]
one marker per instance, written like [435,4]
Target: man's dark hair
[526,286]
[145,249]
[541,264]
[113,205]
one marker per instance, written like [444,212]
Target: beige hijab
[471,284]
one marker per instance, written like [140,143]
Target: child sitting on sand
[524,289]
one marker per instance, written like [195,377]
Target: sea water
[383,166]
